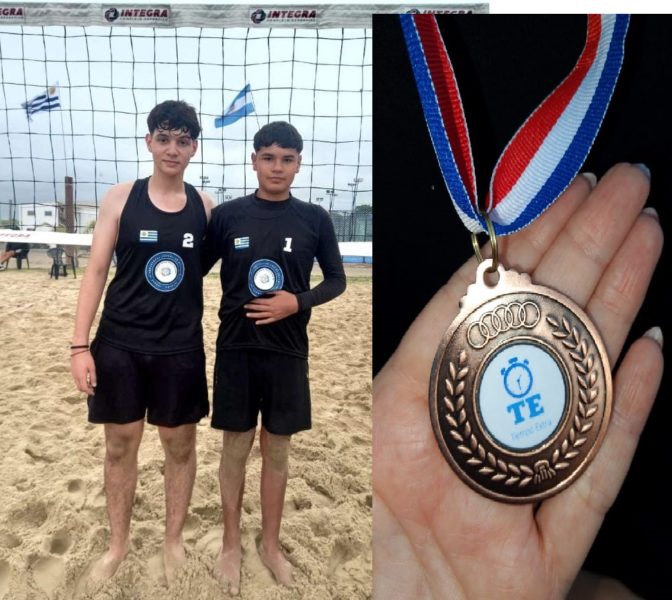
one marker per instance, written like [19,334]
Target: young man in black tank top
[268,242]
[147,358]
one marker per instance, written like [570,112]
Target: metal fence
[352,226]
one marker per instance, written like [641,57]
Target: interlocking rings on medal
[515,315]
[493,245]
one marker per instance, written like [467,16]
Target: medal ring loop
[493,245]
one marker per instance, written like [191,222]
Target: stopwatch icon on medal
[517,378]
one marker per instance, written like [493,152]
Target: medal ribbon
[546,152]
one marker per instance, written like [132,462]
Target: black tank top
[154,304]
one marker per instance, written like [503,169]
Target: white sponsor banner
[46,237]
[84,239]
[12,13]
[138,16]
[217,15]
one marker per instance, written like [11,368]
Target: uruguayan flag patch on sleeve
[241,242]
[149,236]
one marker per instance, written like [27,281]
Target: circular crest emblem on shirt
[265,276]
[164,271]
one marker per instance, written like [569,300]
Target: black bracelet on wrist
[80,346]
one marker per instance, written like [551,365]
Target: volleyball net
[77,82]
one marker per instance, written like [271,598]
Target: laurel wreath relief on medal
[522,474]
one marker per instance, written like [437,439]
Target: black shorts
[171,389]
[249,381]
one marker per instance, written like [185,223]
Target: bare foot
[277,564]
[106,566]
[174,558]
[227,569]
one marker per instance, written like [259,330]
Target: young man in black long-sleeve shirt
[268,242]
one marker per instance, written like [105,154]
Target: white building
[38,217]
[44,217]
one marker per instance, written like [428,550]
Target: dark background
[505,66]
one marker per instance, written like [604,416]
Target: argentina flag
[47,101]
[242,105]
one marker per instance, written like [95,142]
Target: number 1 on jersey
[288,245]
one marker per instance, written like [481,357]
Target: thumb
[415,353]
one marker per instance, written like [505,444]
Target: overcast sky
[110,77]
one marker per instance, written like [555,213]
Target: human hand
[83,369]
[270,310]
[436,537]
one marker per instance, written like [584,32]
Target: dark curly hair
[174,114]
[281,133]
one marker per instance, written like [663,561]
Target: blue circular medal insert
[522,396]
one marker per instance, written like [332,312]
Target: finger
[93,380]
[265,321]
[259,315]
[592,236]
[77,377]
[83,385]
[259,302]
[255,307]
[413,358]
[524,250]
[620,293]
[591,585]
[582,506]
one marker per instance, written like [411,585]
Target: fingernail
[644,169]
[652,212]
[656,334]
[592,179]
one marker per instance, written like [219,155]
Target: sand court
[52,505]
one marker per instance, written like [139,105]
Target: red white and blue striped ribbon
[547,151]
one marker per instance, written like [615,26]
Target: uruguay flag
[242,105]
[47,101]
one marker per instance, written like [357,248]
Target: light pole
[353,226]
[319,200]
[332,195]
[220,194]
[354,184]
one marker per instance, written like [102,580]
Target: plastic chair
[58,265]
[20,257]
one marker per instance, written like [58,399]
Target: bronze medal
[520,390]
